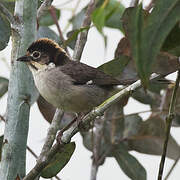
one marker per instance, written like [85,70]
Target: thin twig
[51,135]
[82,38]
[53,14]
[32,152]
[169,119]
[172,168]
[44,6]
[97,137]
[94,169]
[7,14]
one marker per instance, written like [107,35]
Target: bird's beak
[25,58]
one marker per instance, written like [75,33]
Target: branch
[44,6]
[7,13]
[34,154]
[82,38]
[169,119]
[97,137]
[51,135]
[69,133]
[53,14]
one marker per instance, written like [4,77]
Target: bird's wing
[84,74]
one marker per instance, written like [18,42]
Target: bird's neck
[61,58]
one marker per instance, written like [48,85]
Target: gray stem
[21,87]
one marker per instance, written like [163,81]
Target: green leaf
[59,161]
[3,86]
[114,11]
[46,19]
[45,31]
[78,19]
[1,145]
[129,164]
[98,18]
[172,40]
[5,32]
[116,66]
[72,36]
[147,33]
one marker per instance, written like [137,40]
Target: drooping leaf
[147,97]
[72,36]
[48,111]
[147,33]
[98,18]
[132,125]
[78,19]
[59,161]
[45,31]
[3,86]
[114,123]
[1,145]
[116,66]
[165,63]
[114,11]
[150,139]
[5,32]
[129,164]
[172,41]
[46,19]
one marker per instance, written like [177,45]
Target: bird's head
[43,52]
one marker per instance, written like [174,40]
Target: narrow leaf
[98,18]
[129,164]
[116,66]
[5,32]
[72,36]
[59,161]
[1,145]
[3,86]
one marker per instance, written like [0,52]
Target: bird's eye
[36,54]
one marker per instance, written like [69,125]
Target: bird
[67,84]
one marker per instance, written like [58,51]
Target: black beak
[25,58]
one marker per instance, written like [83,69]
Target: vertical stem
[168,125]
[21,93]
